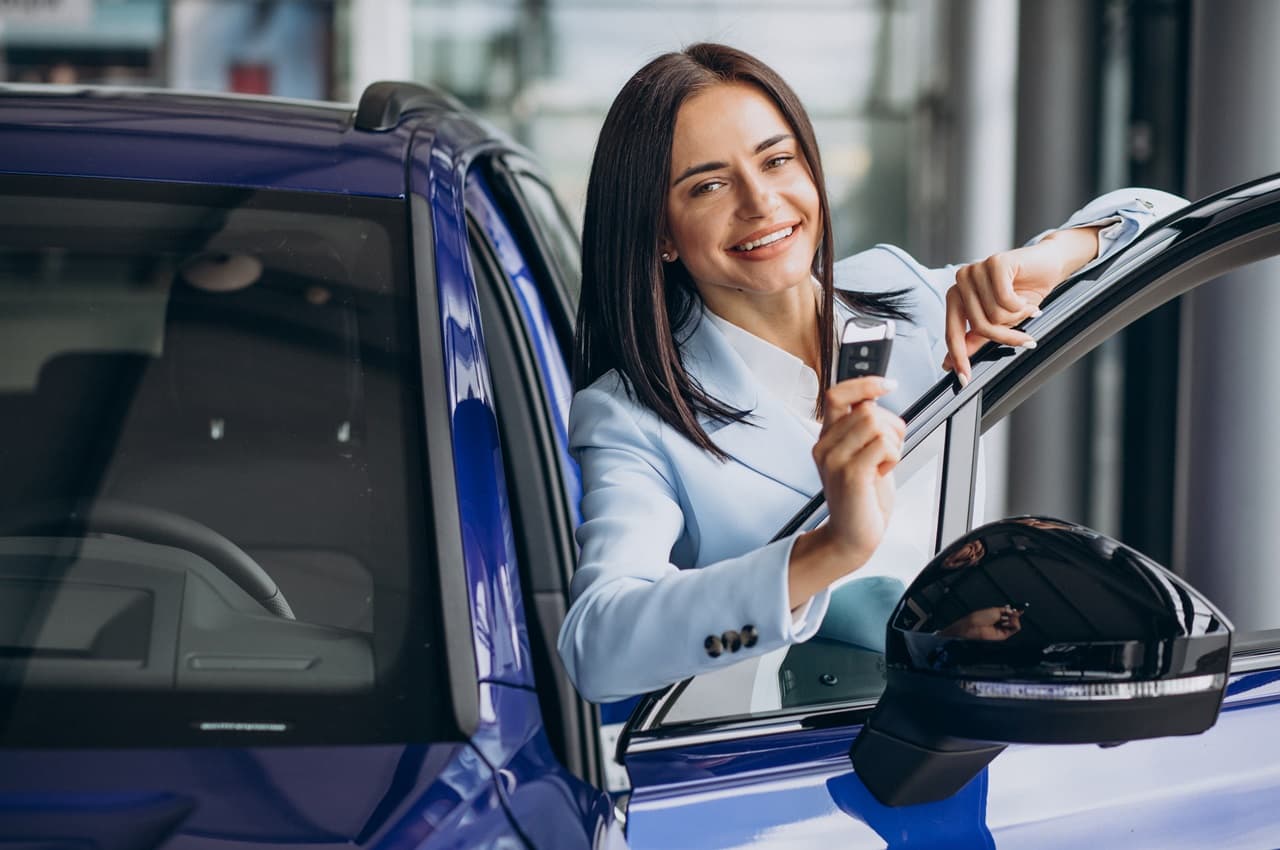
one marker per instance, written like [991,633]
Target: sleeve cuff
[803,622]
[1122,214]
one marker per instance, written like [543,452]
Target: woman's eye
[709,186]
[775,161]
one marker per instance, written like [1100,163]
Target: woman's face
[742,208]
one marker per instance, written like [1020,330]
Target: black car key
[864,348]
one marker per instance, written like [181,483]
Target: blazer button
[749,636]
[732,640]
[713,646]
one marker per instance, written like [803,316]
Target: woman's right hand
[860,444]
[857,450]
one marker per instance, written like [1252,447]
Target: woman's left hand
[993,295]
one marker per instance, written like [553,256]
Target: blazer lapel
[772,440]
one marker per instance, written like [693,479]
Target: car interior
[231,386]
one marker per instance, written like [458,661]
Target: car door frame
[1196,245]
[544,502]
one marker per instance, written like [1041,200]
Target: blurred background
[953,128]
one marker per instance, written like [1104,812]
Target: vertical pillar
[1228,491]
[1056,172]
[381,42]
[982,64]
[1152,153]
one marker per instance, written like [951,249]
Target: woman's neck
[787,319]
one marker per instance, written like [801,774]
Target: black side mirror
[1035,630]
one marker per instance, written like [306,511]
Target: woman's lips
[767,252]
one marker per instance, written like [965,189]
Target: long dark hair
[634,306]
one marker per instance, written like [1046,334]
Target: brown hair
[633,305]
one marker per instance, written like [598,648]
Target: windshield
[211,507]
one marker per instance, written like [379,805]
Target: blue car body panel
[552,367]
[198,139]
[383,796]
[798,790]
[511,733]
[437,173]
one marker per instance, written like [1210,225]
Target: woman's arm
[991,296]
[856,453]
[637,621]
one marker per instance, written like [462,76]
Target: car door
[525,289]
[744,762]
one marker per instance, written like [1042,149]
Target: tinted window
[204,395]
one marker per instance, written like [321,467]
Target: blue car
[286,518]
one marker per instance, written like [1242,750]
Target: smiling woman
[706,413]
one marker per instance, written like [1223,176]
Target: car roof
[213,139]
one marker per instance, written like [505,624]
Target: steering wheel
[153,525]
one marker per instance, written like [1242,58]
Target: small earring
[666,257]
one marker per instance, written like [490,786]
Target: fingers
[1010,620]
[957,351]
[993,280]
[984,305]
[972,342]
[849,465]
[866,440]
[841,397]
[986,314]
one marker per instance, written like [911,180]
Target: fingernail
[1036,313]
[962,378]
[889,384]
[1028,345]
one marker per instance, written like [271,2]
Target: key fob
[864,348]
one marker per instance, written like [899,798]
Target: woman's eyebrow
[712,166]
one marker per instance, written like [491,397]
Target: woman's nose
[757,198]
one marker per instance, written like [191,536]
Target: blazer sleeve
[1123,214]
[637,621]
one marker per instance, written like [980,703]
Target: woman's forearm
[1074,248]
[817,560]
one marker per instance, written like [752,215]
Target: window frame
[506,172]
[540,503]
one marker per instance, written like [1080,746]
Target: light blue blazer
[675,543]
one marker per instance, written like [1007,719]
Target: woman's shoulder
[888,268]
[881,268]
[608,388]
[608,397]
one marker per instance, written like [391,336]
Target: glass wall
[282,47]
[547,70]
[116,42]
[276,47]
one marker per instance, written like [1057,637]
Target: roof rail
[384,103]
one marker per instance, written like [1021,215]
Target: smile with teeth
[767,239]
